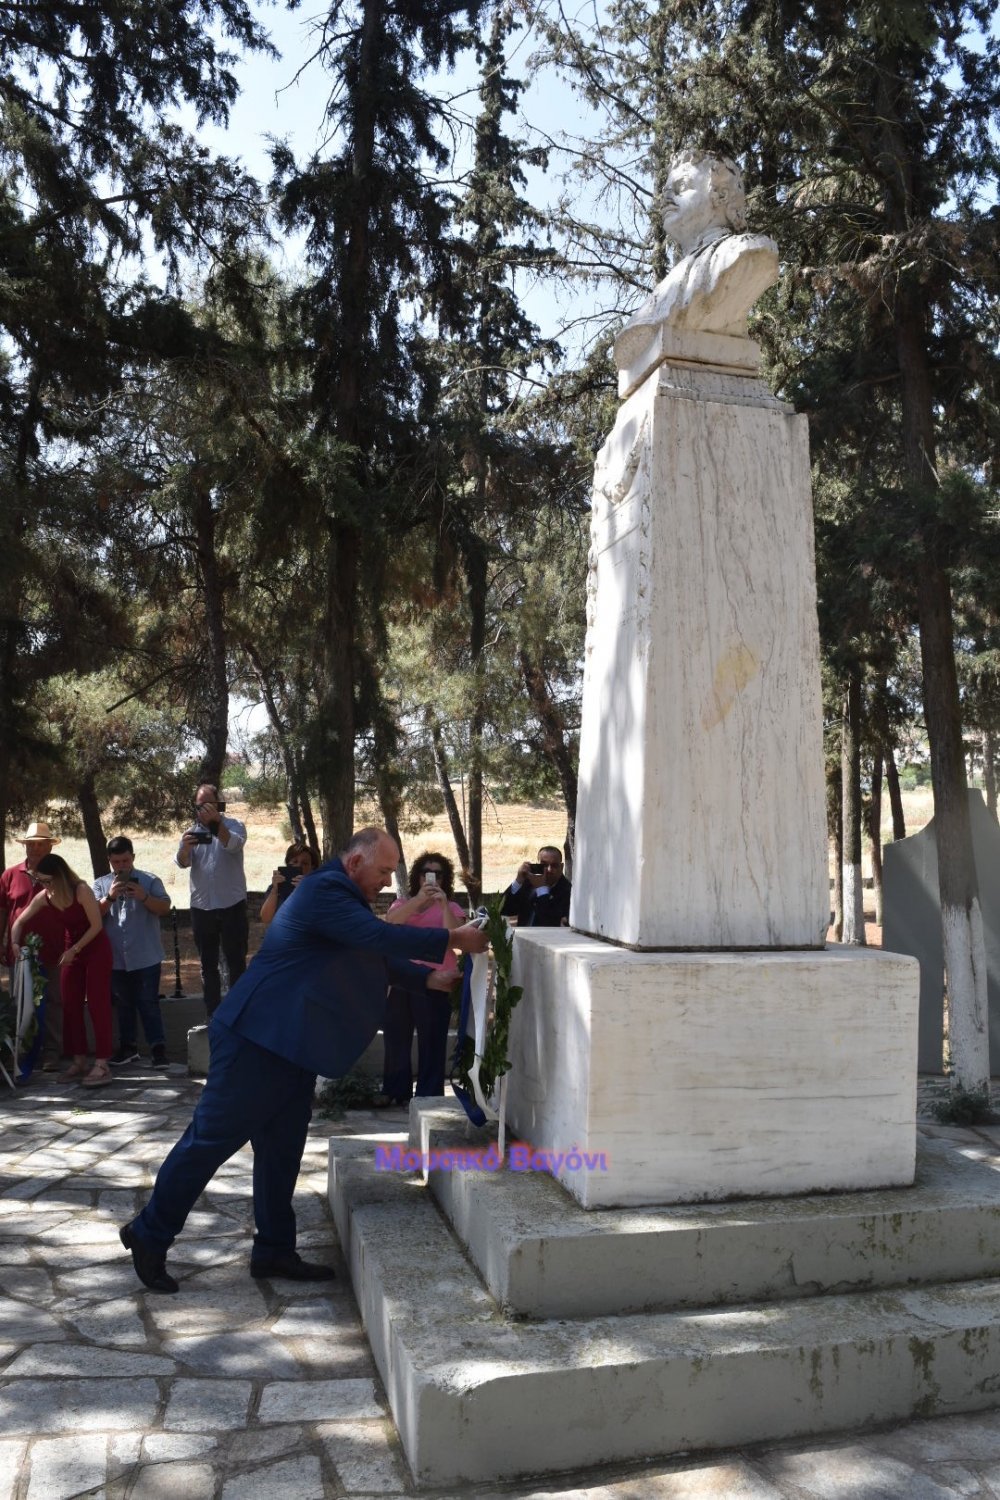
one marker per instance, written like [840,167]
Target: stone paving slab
[234,1428]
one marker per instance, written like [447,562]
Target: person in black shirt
[538,896]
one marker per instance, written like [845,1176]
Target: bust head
[703,200]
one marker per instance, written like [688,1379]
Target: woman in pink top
[84,969]
[429,905]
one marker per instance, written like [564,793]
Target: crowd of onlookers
[98,946]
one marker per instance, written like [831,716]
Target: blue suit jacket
[315,993]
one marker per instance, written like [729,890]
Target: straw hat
[37,831]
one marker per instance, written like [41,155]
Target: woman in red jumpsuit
[84,969]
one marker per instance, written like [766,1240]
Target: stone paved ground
[240,1390]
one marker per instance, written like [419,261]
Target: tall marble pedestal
[704,1076]
[701,817]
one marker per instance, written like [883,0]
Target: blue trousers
[250,1095]
[429,1015]
[136,993]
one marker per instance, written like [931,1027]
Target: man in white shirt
[213,852]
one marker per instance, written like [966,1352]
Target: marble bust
[718,275]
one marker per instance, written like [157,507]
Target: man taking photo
[213,852]
[539,894]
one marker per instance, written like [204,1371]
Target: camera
[536,869]
[201,835]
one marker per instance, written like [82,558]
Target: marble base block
[700,1077]
[702,804]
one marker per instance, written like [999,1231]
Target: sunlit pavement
[250,1390]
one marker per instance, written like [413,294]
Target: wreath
[494,1062]
[31,948]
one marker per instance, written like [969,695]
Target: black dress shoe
[150,1265]
[290,1265]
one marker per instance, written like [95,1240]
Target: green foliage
[966,1107]
[495,1062]
[8,1018]
[95,170]
[354,1091]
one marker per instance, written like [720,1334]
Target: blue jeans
[250,1095]
[137,992]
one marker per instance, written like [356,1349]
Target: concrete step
[478,1395]
[541,1256]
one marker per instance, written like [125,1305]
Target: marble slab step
[479,1395]
[543,1256]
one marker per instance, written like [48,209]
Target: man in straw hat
[18,888]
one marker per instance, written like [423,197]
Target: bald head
[370,857]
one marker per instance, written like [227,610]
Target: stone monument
[692,1038]
[691,1026]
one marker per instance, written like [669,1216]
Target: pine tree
[377,224]
[94,170]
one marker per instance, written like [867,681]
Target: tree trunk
[555,744]
[836,837]
[90,812]
[875,833]
[18,507]
[340,398]
[385,754]
[451,808]
[284,746]
[215,726]
[334,767]
[305,805]
[850,770]
[475,565]
[895,794]
[990,769]
[961,918]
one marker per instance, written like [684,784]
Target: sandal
[99,1075]
[73,1073]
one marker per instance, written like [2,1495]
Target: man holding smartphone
[213,852]
[132,902]
[538,896]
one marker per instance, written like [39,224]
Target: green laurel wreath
[32,946]
[495,1062]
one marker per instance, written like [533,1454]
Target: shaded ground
[244,1390]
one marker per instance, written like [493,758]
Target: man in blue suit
[310,1003]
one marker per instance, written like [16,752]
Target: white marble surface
[702,803]
[710,1075]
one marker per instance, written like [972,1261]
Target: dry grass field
[511,833]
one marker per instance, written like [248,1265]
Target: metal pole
[178,992]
